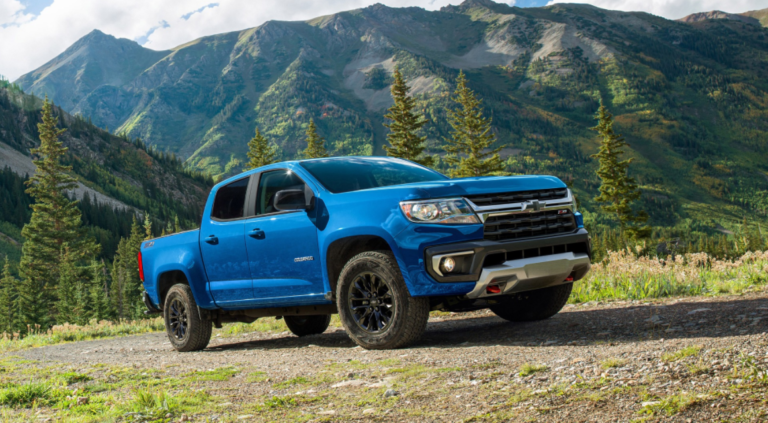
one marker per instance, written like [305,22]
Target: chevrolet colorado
[380,241]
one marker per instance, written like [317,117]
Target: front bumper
[529,274]
[513,266]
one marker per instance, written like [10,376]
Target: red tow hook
[569,279]
[493,289]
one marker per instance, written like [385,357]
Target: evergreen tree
[176,224]
[98,293]
[315,143]
[260,152]
[471,137]
[406,123]
[617,190]
[32,308]
[55,221]
[147,227]
[66,287]
[126,284]
[7,301]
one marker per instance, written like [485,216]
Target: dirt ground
[690,360]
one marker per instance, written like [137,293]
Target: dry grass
[622,275]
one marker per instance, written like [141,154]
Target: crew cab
[380,241]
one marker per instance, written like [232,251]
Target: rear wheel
[374,304]
[308,325]
[186,330]
[534,305]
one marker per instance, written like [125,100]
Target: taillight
[141,268]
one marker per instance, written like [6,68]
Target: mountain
[755,17]
[118,178]
[691,97]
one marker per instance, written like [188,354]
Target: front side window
[353,174]
[269,185]
[230,200]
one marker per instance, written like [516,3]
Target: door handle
[212,239]
[256,233]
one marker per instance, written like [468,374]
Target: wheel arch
[342,250]
[168,279]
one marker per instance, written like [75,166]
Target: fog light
[449,264]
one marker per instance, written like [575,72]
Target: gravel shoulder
[689,359]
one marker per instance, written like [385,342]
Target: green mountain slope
[118,178]
[690,97]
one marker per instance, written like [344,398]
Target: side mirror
[291,199]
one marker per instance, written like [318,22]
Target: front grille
[579,247]
[517,197]
[527,225]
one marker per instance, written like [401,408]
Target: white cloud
[675,9]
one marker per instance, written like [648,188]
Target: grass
[26,395]
[673,404]
[689,351]
[71,333]
[221,374]
[528,369]
[613,362]
[623,276]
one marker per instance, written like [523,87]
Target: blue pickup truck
[380,241]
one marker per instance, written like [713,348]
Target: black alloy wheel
[178,319]
[371,301]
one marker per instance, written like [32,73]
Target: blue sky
[32,32]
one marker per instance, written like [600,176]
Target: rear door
[282,246]
[222,243]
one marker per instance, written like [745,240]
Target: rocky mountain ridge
[690,96]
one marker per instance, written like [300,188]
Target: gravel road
[604,362]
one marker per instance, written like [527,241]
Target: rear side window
[230,200]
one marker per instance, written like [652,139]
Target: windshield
[353,174]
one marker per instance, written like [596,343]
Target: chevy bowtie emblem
[533,204]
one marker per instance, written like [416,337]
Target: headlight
[573,200]
[453,210]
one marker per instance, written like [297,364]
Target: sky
[32,32]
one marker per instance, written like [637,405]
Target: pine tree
[471,137]
[617,190]
[176,224]
[119,281]
[98,297]
[32,308]
[7,301]
[126,284]
[147,227]
[66,287]
[55,221]
[260,152]
[315,143]
[406,123]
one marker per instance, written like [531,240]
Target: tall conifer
[315,143]
[260,152]
[7,301]
[147,227]
[471,137]
[55,221]
[98,293]
[404,141]
[617,190]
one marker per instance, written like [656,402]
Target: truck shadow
[690,319]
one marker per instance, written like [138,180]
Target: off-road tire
[307,325]
[198,330]
[409,314]
[534,305]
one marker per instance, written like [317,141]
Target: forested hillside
[691,97]
[119,178]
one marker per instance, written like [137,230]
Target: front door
[222,243]
[282,246]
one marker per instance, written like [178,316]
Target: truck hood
[486,185]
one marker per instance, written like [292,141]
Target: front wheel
[534,305]
[308,325]
[374,304]
[186,330]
